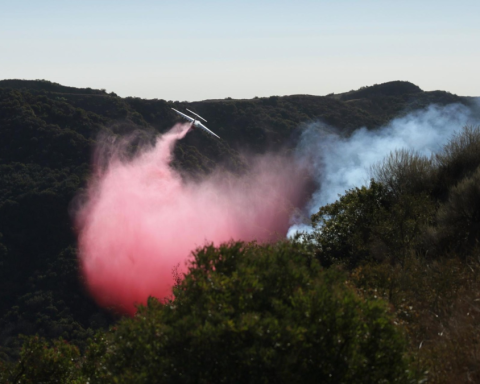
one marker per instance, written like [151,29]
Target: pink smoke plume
[141,220]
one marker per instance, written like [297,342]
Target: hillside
[48,133]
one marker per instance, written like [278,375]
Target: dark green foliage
[456,188]
[369,224]
[390,100]
[458,219]
[43,363]
[392,88]
[47,86]
[345,228]
[53,304]
[257,314]
[459,158]
[462,210]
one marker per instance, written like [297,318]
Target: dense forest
[385,289]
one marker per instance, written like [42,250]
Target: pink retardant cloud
[141,219]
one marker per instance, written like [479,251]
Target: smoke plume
[141,220]
[340,163]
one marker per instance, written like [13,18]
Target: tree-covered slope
[48,133]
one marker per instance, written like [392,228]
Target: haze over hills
[48,133]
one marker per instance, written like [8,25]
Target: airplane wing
[196,123]
[185,116]
[199,124]
[196,114]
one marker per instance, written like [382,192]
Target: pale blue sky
[186,50]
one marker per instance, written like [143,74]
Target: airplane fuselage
[194,123]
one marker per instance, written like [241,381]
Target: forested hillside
[410,238]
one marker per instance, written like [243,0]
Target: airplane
[195,122]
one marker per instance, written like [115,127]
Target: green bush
[344,229]
[458,219]
[369,223]
[247,313]
[41,362]
[459,158]
[405,171]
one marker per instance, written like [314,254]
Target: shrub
[459,158]
[41,362]
[247,313]
[369,223]
[343,229]
[458,219]
[405,172]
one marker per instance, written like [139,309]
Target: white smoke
[341,163]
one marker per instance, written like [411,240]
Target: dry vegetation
[435,290]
